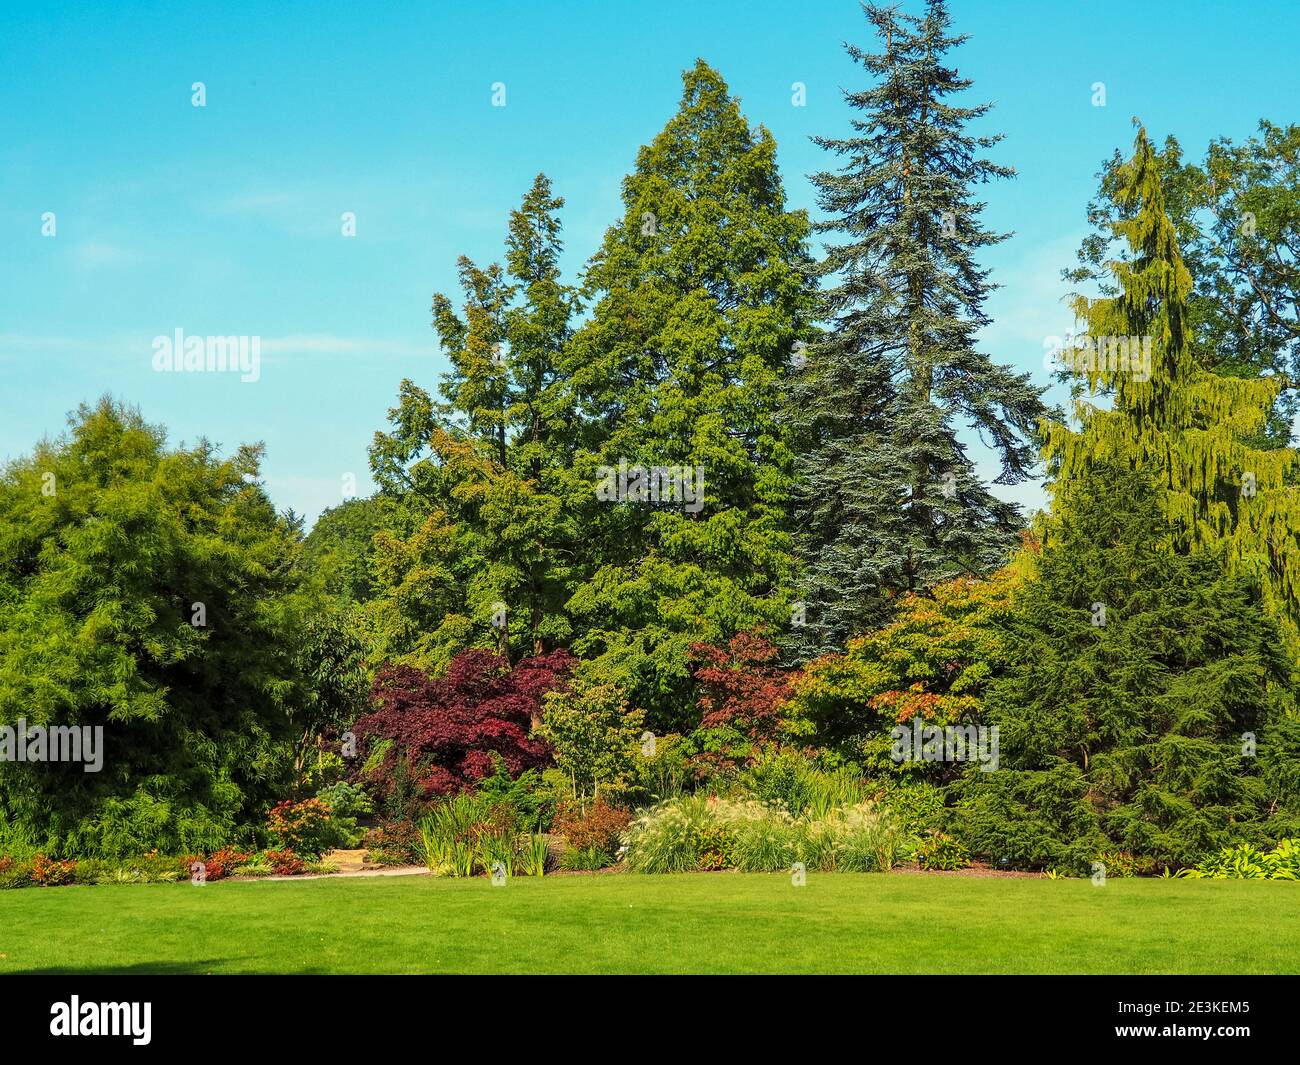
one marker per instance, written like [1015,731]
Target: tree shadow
[167,967]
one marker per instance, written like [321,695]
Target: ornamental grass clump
[698,832]
[667,837]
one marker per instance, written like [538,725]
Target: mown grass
[703,923]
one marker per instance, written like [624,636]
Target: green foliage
[584,859]
[699,832]
[1245,861]
[935,660]
[700,292]
[151,592]
[346,802]
[534,855]
[482,548]
[1236,215]
[595,735]
[1223,488]
[939,851]
[787,778]
[465,835]
[889,501]
[530,795]
[1141,729]
[339,551]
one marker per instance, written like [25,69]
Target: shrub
[284,862]
[667,837]
[394,843]
[788,778]
[346,803]
[14,873]
[152,868]
[464,834]
[451,730]
[51,872]
[1122,864]
[584,859]
[867,839]
[741,686]
[534,855]
[530,797]
[1248,862]
[595,735]
[305,827]
[592,825]
[764,844]
[216,866]
[939,851]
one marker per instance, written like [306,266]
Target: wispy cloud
[93,254]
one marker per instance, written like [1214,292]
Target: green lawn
[719,923]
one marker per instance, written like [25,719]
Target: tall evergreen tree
[701,292]
[889,500]
[1197,431]
[1144,704]
[1237,219]
[485,474]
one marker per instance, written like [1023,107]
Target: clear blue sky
[225,219]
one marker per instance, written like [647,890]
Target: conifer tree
[700,292]
[1144,705]
[889,500]
[1198,432]
[485,473]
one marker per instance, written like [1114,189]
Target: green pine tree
[1200,433]
[889,500]
[701,293]
[1145,706]
[483,551]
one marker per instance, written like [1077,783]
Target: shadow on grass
[170,967]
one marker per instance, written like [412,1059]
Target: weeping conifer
[1197,431]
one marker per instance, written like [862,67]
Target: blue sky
[226,219]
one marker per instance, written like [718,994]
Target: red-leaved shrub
[216,866]
[451,730]
[285,862]
[50,872]
[591,824]
[394,843]
[741,686]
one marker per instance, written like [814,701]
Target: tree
[149,592]
[449,732]
[1144,702]
[889,501]
[483,553]
[339,550]
[934,661]
[1237,220]
[1198,432]
[700,293]
[595,736]
[741,686]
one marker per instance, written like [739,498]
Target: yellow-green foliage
[935,660]
[1193,429]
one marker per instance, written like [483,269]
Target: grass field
[707,923]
